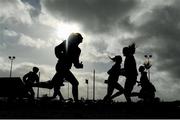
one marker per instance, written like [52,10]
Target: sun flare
[63,30]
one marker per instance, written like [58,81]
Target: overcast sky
[30,29]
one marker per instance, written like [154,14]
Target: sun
[63,30]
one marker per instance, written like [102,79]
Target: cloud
[15,11]
[163,29]
[10,33]
[36,7]
[94,15]
[34,43]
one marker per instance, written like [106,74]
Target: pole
[87,91]
[149,70]
[11,58]
[149,74]
[94,85]
[11,68]
[86,81]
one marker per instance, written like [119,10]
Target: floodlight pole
[94,85]
[11,58]
[87,82]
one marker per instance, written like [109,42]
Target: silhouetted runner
[147,92]
[130,70]
[67,53]
[112,81]
[30,79]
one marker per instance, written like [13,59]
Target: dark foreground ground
[46,109]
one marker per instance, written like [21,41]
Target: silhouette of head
[35,69]
[117,59]
[130,50]
[75,38]
[125,51]
[141,68]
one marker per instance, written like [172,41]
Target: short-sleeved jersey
[130,67]
[67,54]
[30,78]
[114,73]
